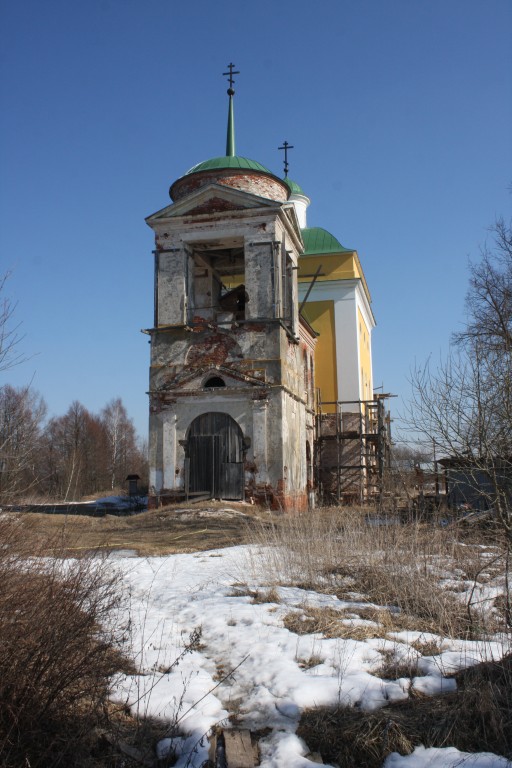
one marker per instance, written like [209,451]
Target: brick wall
[259,184]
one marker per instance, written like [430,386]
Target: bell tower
[231,388]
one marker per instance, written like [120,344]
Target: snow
[247,665]
[448,757]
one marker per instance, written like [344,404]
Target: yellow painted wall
[320,315]
[365,374]
[341,266]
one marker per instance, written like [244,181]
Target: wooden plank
[212,749]
[239,749]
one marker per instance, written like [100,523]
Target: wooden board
[239,749]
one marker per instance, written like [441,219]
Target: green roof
[318,240]
[228,162]
[294,188]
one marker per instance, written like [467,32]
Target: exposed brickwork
[279,501]
[213,349]
[214,205]
[256,183]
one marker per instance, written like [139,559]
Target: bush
[59,646]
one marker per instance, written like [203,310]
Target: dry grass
[397,566]
[60,643]
[177,528]
[359,624]
[398,569]
[330,623]
[476,718]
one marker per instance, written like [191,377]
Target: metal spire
[286,147]
[230,139]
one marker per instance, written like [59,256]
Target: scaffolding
[353,450]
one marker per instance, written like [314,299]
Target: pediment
[213,198]
[290,214]
[195,380]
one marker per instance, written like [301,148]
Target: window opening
[219,292]
[215,381]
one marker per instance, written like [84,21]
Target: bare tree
[121,440]
[489,299]
[464,404]
[10,354]
[73,450]
[21,415]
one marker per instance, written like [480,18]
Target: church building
[259,323]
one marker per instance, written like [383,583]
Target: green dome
[294,188]
[318,240]
[228,162]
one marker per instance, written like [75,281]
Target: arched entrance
[215,457]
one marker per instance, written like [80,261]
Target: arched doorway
[215,457]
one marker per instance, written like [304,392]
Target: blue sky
[400,112]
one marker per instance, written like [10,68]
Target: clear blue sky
[400,112]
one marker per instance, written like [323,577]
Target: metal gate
[214,457]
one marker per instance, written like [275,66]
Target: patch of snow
[248,664]
[448,757]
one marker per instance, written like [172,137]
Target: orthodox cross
[230,75]
[286,147]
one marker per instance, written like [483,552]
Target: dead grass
[266,596]
[476,718]
[329,623]
[378,623]
[173,529]
[394,669]
[401,567]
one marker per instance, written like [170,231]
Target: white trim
[337,290]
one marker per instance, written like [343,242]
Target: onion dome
[231,170]
[294,188]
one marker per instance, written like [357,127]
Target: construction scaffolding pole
[353,448]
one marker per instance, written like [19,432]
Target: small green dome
[294,188]
[228,162]
[318,240]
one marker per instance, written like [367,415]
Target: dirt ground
[177,528]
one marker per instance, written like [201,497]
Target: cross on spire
[286,147]
[230,138]
[230,75]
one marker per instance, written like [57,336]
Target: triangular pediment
[197,379]
[214,198]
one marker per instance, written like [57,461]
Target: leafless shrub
[59,646]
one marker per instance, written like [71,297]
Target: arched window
[215,381]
